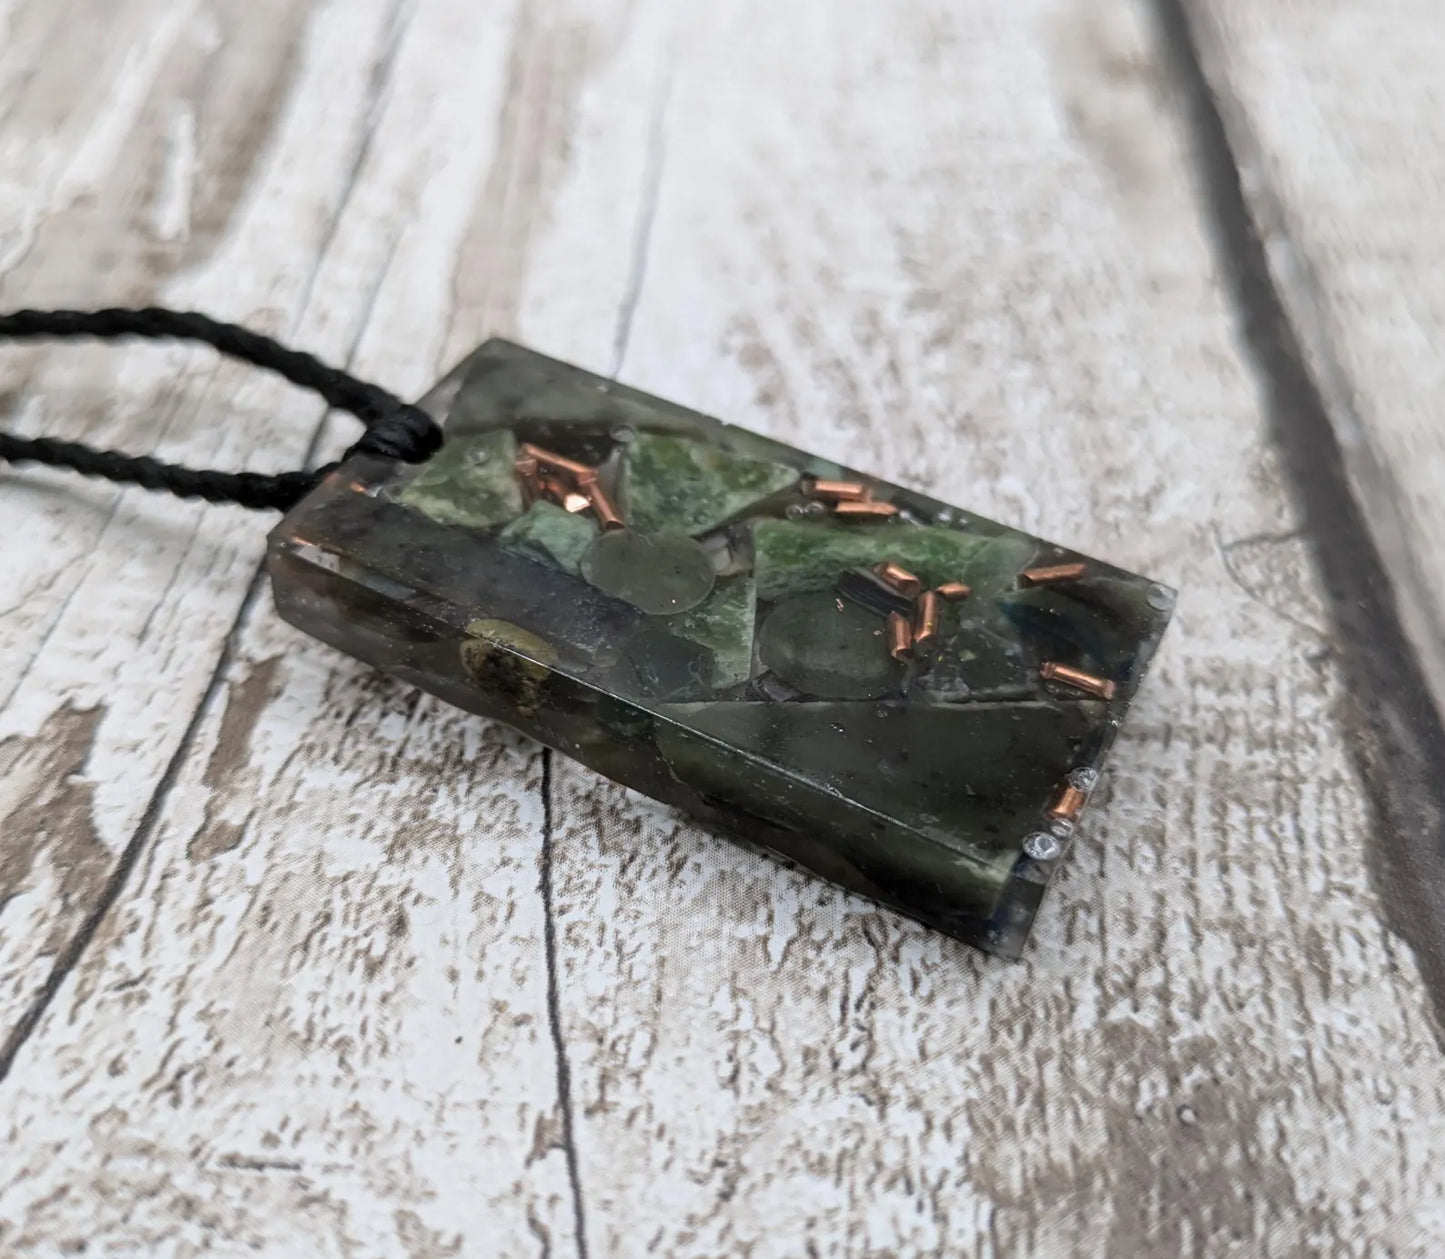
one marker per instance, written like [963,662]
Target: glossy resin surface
[903,697]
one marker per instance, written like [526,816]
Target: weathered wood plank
[321,1006]
[1396,728]
[321,1013]
[1333,114]
[119,603]
[981,271]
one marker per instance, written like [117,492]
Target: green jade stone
[795,556]
[469,482]
[551,535]
[676,485]
[723,623]
[725,656]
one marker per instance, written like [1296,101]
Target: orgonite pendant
[905,698]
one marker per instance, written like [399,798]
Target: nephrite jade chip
[905,698]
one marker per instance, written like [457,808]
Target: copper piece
[899,578]
[864,509]
[1052,573]
[560,462]
[553,487]
[925,619]
[1068,803]
[953,591]
[844,491]
[1100,688]
[900,636]
[602,508]
[575,502]
[527,471]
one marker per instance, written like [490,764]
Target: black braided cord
[394,429]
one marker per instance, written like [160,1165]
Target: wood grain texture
[112,591]
[162,1108]
[1395,724]
[1333,112]
[1008,300]
[386,980]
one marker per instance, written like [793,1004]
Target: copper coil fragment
[602,508]
[925,619]
[559,462]
[865,509]
[529,474]
[1068,803]
[953,591]
[849,491]
[554,488]
[900,636]
[1050,574]
[899,578]
[1100,688]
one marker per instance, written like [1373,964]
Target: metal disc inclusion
[660,575]
[829,648]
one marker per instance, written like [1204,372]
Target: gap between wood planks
[636,278]
[554,1011]
[1392,726]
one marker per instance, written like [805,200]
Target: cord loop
[394,429]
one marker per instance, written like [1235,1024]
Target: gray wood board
[1333,118]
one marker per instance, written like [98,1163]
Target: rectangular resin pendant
[903,697]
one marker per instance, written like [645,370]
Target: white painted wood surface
[326,1014]
[1334,110]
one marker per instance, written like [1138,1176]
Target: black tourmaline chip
[737,628]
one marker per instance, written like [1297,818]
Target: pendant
[907,699]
